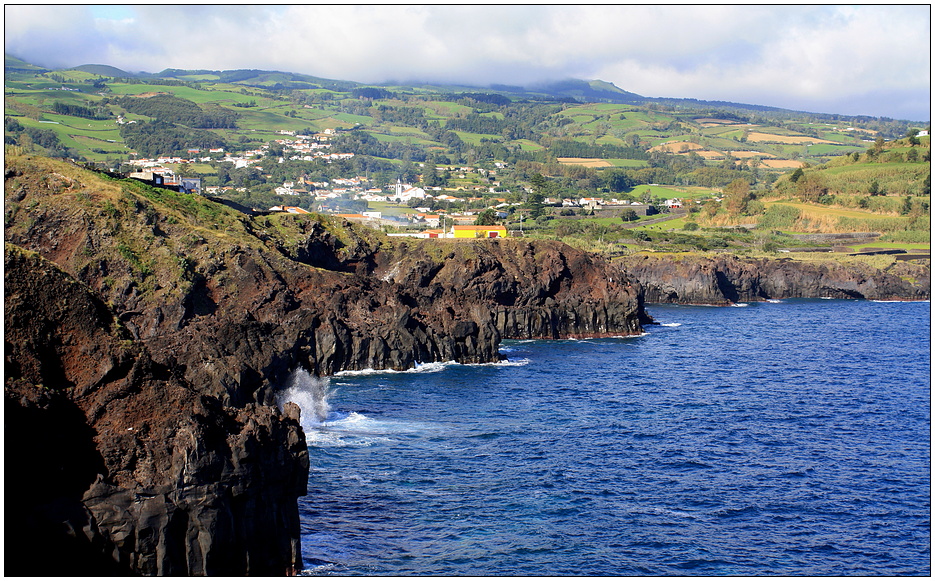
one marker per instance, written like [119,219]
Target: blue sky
[854,60]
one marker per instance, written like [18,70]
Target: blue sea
[786,438]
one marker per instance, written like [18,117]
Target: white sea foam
[311,394]
[739,305]
[434,367]
[670,324]
[773,301]
[504,363]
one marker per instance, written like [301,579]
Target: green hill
[104,71]
[559,141]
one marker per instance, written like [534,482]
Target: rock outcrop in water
[148,334]
[724,279]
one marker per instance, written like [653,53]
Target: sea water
[785,438]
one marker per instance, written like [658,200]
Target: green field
[474,138]
[656,192]
[527,145]
[627,162]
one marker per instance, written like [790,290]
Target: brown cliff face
[115,464]
[159,329]
[727,279]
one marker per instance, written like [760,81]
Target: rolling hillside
[527,148]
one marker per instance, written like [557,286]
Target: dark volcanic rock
[116,466]
[725,279]
[160,329]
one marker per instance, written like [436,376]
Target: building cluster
[166,178]
[302,147]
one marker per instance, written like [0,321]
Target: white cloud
[783,56]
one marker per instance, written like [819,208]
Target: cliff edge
[724,279]
[150,333]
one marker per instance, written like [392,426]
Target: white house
[593,203]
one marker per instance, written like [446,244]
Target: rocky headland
[149,334]
[723,279]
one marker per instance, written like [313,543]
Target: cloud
[823,57]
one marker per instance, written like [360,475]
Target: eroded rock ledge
[724,279]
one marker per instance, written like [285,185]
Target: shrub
[910,236]
[779,216]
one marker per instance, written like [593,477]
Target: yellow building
[478,231]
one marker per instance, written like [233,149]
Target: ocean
[785,438]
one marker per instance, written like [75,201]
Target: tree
[907,205]
[617,180]
[486,218]
[736,196]
[629,216]
[811,188]
[539,182]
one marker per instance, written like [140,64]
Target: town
[422,221]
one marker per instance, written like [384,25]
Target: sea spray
[311,394]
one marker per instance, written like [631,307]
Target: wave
[739,305]
[310,393]
[670,324]
[774,301]
[433,367]
[358,430]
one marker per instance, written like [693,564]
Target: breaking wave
[433,367]
[311,394]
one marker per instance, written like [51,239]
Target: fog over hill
[851,60]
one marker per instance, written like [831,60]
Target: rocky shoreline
[158,330]
[148,335]
[724,279]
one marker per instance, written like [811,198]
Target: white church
[403,193]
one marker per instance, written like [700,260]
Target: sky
[853,60]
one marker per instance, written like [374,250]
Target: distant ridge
[104,71]
[14,64]
[588,91]
[568,90]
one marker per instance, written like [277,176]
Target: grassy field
[527,145]
[826,149]
[474,138]
[627,162]
[656,191]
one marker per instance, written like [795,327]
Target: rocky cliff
[148,334]
[724,279]
[116,464]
